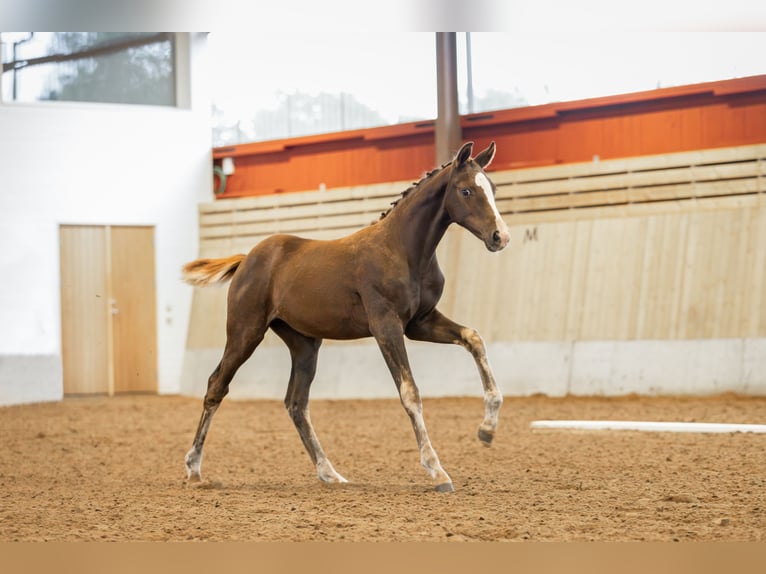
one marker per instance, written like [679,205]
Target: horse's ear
[485,157]
[463,155]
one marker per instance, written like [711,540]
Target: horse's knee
[213,401]
[215,394]
[217,388]
[296,410]
[473,342]
[410,397]
[296,414]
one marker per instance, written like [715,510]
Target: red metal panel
[714,114]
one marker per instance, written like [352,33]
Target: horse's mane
[410,189]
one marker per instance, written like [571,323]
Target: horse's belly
[325,315]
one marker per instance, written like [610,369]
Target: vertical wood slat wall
[671,246]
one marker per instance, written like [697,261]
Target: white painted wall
[521,368]
[67,163]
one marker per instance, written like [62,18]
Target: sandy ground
[112,469]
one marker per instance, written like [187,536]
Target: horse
[382,281]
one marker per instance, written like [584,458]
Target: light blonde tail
[203,272]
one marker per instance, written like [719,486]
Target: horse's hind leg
[238,350]
[303,352]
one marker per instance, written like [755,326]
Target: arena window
[501,71]
[276,86]
[105,67]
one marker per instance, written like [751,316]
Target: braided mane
[410,189]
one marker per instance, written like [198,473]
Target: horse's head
[470,198]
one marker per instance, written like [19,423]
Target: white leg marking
[193,465]
[193,458]
[428,458]
[325,470]
[493,398]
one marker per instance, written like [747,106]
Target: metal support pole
[448,133]
[469,72]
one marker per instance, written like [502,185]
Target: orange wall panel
[700,116]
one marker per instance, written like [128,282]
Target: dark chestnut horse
[382,281]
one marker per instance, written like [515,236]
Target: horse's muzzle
[499,239]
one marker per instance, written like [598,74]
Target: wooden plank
[306,197]
[224,246]
[371,206]
[700,278]
[294,226]
[448,254]
[595,302]
[560,202]
[662,161]
[661,276]
[628,278]
[635,209]
[754,313]
[553,282]
[641,195]
[207,322]
[632,179]
[578,285]
[736,262]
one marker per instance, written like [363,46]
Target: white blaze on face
[483,183]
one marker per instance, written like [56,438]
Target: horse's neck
[417,225]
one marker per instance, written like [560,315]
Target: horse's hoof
[445,487]
[485,437]
[333,481]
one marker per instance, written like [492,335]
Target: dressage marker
[383,282]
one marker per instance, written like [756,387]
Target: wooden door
[108,309]
[133,309]
[84,308]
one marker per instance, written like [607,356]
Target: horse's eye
[466,192]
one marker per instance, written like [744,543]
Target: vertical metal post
[15,57]
[14,77]
[448,132]
[469,72]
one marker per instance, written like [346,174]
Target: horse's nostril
[496,236]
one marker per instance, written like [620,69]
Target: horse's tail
[203,272]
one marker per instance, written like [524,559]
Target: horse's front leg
[436,328]
[389,334]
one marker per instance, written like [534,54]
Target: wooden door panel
[84,302]
[134,327]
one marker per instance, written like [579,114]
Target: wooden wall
[701,116]
[670,246]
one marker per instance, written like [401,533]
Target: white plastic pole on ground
[649,426]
